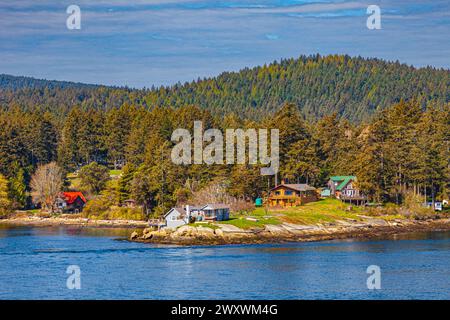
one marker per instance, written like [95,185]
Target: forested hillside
[15,83]
[354,88]
[403,149]
[395,147]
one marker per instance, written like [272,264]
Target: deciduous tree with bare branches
[46,184]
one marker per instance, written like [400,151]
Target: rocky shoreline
[222,234]
[285,232]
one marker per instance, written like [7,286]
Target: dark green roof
[342,180]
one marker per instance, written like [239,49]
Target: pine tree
[94,177]
[302,163]
[328,133]
[43,138]
[68,149]
[432,153]
[371,163]
[90,134]
[17,187]
[118,127]
[403,118]
[124,184]
[5,202]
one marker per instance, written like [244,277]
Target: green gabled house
[345,189]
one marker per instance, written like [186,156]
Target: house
[217,212]
[437,205]
[179,216]
[176,217]
[72,202]
[289,195]
[345,189]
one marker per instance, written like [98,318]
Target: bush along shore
[24,218]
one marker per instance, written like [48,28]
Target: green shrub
[101,209]
[96,207]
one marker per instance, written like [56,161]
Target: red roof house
[72,201]
[71,197]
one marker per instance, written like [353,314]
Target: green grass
[115,172]
[205,225]
[322,211]
[243,223]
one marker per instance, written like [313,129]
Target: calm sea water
[33,263]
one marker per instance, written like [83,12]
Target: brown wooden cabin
[290,195]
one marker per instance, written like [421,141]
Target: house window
[288,193]
[277,193]
[174,218]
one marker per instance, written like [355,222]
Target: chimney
[188,211]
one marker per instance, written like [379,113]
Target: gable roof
[179,210]
[342,181]
[215,206]
[296,187]
[70,197]
[210,206]
[193,207]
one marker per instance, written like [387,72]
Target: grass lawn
[322,211]
[115,173]
[327,210]
[241,222]
[205,225]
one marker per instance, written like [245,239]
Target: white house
[176,217]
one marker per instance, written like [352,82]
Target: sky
[141,43]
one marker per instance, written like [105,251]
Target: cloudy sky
[143,43]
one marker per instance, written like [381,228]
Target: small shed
[258,202]
[325,193]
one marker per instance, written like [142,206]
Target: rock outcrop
[285,232]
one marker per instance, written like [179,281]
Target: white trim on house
[176,217]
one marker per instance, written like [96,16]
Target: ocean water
[34,261]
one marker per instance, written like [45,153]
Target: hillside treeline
[354,88]
[402,149]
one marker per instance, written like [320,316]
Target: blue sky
[160,42]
